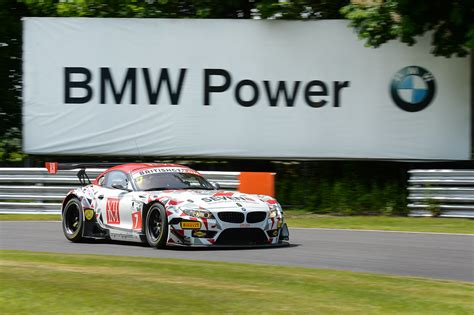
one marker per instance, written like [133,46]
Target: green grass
[296,218]
[82,284]
[30,217]
[440,225]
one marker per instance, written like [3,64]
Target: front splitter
[282,244]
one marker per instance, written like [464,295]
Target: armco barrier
[450,193]
[35,191]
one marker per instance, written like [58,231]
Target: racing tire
[156,226]
[73,220]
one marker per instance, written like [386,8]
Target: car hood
[211,199]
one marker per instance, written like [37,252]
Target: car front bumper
[188,231]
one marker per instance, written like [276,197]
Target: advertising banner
[237,89]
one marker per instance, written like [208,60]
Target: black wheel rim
[155,225]
[71,220]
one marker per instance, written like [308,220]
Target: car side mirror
[120,184]
[216,185]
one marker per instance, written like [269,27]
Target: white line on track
[383,231]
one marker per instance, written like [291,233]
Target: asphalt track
[431,255]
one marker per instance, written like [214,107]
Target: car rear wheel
[72,220]
[156,226]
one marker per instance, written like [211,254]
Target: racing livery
[170,205]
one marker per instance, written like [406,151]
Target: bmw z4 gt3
[170,205]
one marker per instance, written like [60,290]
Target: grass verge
[73,284]
[296,218]
[30,217]
[439,225]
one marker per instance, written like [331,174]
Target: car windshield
[165,181]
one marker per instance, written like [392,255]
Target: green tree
[143,8]
[10,77]
[450,21]
[300,9]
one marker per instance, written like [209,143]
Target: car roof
[132,167]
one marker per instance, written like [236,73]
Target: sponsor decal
[190,225]
[199,234]
[137,221]
[89,214]
[245,225]
[225,198]
[112,211]
[124,236]
[159,170]
[413,88]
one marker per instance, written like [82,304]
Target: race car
[169,205]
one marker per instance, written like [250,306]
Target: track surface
[417,254]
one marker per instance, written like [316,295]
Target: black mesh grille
[242,237]
[231,217]
[254,217]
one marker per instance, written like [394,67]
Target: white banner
[237,88]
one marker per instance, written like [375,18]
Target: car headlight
[275,211]
[198,213]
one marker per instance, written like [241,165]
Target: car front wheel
[156,226]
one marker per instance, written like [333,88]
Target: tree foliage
[10,77]
[218,9]
[451,23]
[142,8]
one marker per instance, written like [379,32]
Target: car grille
[254,217]
[231,217]
[242,237]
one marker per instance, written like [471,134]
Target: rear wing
[54,167]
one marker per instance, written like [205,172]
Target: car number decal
[112,211]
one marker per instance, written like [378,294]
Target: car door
[115,201]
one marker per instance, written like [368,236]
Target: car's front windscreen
[165,181]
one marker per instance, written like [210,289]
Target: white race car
[170,205]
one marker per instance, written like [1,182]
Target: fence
[34,190]
[447,193]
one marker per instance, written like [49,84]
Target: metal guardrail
[35,191]
[449,193]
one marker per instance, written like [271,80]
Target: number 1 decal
[137,220]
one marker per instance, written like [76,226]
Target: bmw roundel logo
[413,88]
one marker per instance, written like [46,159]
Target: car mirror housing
[216,185]
[119,184]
